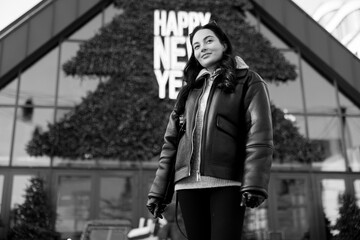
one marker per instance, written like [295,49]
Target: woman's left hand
[251,199]
[156,207]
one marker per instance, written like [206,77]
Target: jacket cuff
[256,189]
[154,195]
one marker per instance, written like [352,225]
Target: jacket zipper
[193,130]
[211,93]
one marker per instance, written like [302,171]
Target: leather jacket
[237,142]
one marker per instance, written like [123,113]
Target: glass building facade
[341,18]
[304,200]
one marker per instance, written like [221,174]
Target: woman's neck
[211,70]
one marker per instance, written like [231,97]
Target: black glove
[156,207]
[252,199]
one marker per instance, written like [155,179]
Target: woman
[223,159]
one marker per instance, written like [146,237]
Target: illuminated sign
[172,48]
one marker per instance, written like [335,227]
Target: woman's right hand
[155,207]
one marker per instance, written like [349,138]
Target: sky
[10,10]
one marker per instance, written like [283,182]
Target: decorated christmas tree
[34,219]
[124,118]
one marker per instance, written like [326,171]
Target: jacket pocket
[224,145]
[226,126]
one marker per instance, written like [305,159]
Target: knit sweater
[195,180]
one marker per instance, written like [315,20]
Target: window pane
[319,93]
[287,95]
[116,201]
[89,29]
[284,95]
[20,183]
[292,208]
[352,137]
[26,123]
[8,93]
[357,191]
[73,203]
[1,193]
[325,131]
[111,12]
[6,123]
[291,154]
[299,122]
[256,222]
[331,189]
[348,106]
[73,89]
[38,83]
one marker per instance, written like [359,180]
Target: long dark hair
[226,79]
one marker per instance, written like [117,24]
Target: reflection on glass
[293,149]
[351,127]
[115,198]
[357,191]
[73,89]
[299,122]
[6,123]
[89,29]
[319,93]
[280,95]
[256,223]
[73,203]
[325,132]
[20,182]
[38,83]
[37,119]
[292,212]
[284,95]
[8,93]
[331,189]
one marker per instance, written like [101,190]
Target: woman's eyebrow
[209,36]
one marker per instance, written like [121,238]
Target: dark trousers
[212,213]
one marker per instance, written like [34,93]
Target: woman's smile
[205,55]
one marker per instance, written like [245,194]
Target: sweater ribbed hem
[204,182]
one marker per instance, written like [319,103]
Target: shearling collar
[240,64]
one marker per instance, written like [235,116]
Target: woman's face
[208,49]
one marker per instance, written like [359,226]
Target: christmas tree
[124,119]
[34,219]
[348,224]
